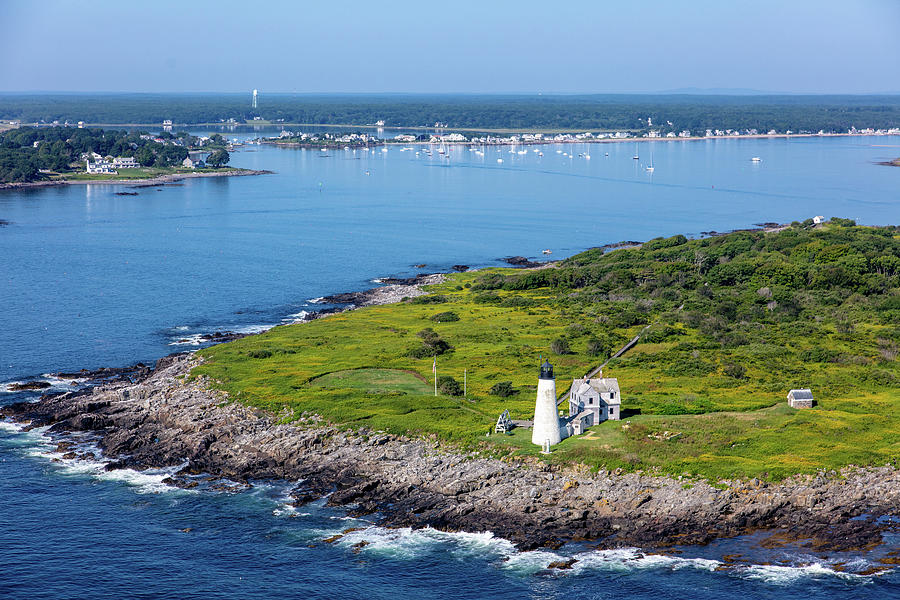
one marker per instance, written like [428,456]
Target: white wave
[56,382]
[143,482]
[627,559]
[297,317]
[11,427]
[531,562]
[318,300]
[189,340]
[251,329]
[181,328]
[378,280]
[40,445]
[196,339]
[786,575]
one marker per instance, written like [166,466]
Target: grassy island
[730,324]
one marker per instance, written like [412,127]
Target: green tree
[219,158]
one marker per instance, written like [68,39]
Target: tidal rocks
[394,291]
[27,386]
[164,420]
[521,261]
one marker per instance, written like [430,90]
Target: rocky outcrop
[394,291]
[165,419]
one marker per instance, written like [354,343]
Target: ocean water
[89,278]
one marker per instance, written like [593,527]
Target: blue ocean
[89,278]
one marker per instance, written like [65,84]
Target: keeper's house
[802,398]
[592,401]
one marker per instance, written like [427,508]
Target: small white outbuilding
[801,398]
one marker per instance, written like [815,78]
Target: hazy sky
[809,46]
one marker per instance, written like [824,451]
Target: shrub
[489,281]
[817,354]
[429,299]
[486,298]
[432,344]
[597,347]
[445,317]
[576,329]
[259,353]
[517,302]
[504,389]
[560,346]
[736,371]
[449,386]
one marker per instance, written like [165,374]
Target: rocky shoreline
[149,182]
[161,418]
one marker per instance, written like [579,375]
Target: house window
[612,411]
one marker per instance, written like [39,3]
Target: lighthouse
[546,419]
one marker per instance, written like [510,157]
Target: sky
[457,46]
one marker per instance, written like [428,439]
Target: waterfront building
[195,160]
[100,167]
[592,401]
[125,162]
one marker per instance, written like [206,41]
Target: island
[756,374]
[33,156]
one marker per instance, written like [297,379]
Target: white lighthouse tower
[546,419]
[255,103]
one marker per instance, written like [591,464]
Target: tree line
[27,151]
[593,112]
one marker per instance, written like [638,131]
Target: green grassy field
[142,173]
[702,394]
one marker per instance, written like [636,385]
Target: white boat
[649,168]
[499,160]
[756,159]
[587,157]
[636,157]
[548,251]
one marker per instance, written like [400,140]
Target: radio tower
[255,96]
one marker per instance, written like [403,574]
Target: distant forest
[595,112]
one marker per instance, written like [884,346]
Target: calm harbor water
[89,278]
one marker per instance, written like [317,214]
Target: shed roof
[801,394]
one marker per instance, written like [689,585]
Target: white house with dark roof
[195,160]
[801,398]
[592,401]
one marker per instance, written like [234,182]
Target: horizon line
[673,92]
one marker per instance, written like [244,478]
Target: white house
[801,398]
[195,160]
[101,167]
[818,219]
[592,401]
[125,162]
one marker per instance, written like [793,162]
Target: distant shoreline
[158,180]
[489,131]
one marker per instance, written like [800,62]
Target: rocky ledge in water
[165,419]
[393,290]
